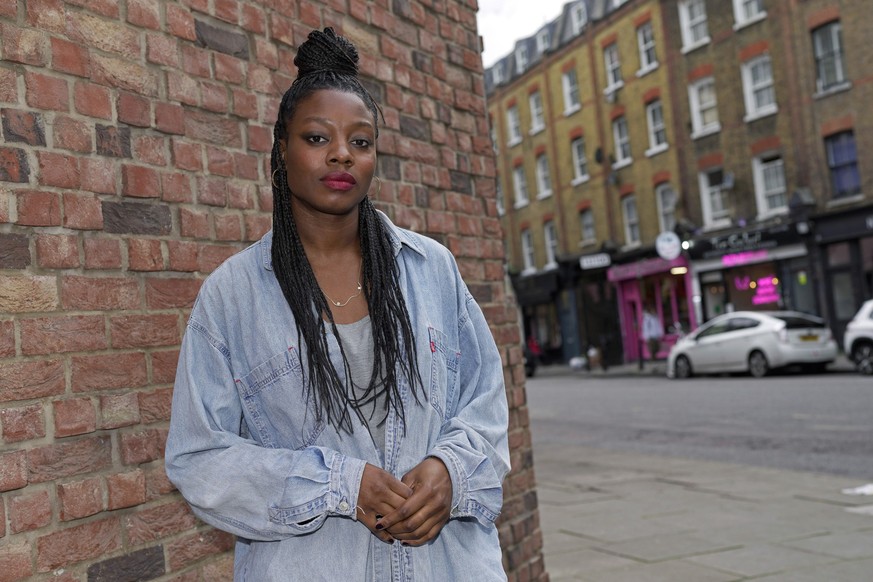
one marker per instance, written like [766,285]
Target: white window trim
[748,91]
[612,86]
[685,29]
[513,139]
[578,18]
[620,162]
[760,195]
[536,125]
[587,241]
[543,46]
[658,189]
[655,149]
[578,178]
[543,192]
[551,254]
[646,68]
[565,89]
[698,131]
[521,59]
[706,208]
[517,183]
[629,244]
[527,252]
[845,83]
[498,199]
[739,21]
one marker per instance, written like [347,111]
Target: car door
[705,354]
[737,341]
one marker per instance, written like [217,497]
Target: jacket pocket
[443,370]
[276,403]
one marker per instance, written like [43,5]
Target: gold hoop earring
[273,179]
[378,186]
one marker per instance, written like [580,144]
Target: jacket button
[343,506]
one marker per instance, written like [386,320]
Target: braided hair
[328,61]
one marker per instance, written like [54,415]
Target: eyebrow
[328,121]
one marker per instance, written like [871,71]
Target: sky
[502,22]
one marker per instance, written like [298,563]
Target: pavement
[611,516]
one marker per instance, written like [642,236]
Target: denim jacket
[247,453]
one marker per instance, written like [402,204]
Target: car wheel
[863,357]
[682,367]
[758,364]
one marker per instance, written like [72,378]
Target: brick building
[134,161]
[733,128]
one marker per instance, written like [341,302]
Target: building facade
[732,125]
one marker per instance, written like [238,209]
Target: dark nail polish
[379,526]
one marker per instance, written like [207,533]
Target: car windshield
[797,320]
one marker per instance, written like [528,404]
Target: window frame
[537,112]
[687,25]
[644,46]
[528,256]
[663,210]
[707,190]
[580,161]
[544,40]
[519,182]
[760,166]
[521,58]
[621,140]
[698,129]
[498,197]
[631,221]
[587,222]
[612,67]
[550,238]
[513,124]
[570,91]
[741,19]
[656,145]
[750,89]
[830,139]
[578,17]
[834,30]
[543,176]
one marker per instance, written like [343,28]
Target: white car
[858,340]
[754,342]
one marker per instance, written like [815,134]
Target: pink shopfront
[665,285]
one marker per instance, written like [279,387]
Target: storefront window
[867,264]
[844,296]
[754,287]
[839,254]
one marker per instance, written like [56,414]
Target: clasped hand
[413,509]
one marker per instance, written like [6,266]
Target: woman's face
[330,152]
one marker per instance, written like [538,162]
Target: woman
[339,402]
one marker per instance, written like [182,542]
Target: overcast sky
[502,22]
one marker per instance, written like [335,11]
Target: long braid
[326,61]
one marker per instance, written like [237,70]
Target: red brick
[257,226]
[214,97]
[99,175]
[134,110]
[144,255]
[58,170]
[211,256]
[76,544]
[171,293]
[245,103]
[140,331]
[162,50]
[105,35]
[219,161]
[44,92]
[241,195]
[24,45]
[108,372]
[22,424]
[74,416]
[186,550]
[228,227]
[212,191]
[159,522]
[252,19]
[246,166]
[82,211]
[228,68]
[28,294]
[266,53]
[142,447]
[157,483]
[260,138]
[108,8]
[95,294]
[72,333]
[8,86]
[144,13]
[57,251]
[183,87]
[80,499]
[124,74]
[193,223]
[176,187]
[227,10]
[29,512]
[92,100]
[102,253]
[15,561]
[70,134]
[46,15]
[31,379]
[68,57]
[117,410]
[187,156]
[164,366]
[7,339]
[126,489]
[213,128]
[169,117]
[140,181]
[66,459]
[182,255]
[9,9]
[150,149]
[39,208]
[195,61]
[13,470]
[155,406]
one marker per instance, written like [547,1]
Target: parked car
[754,342]
[858,340]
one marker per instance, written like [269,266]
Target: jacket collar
[399,238]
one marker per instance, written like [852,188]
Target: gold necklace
[346,302]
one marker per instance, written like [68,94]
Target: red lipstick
[339,181]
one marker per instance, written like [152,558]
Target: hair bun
[326,52]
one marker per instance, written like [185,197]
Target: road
[820,422]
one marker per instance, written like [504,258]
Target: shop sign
[668,246]
[597,261]
[743,242]
[855,225]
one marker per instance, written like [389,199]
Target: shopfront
[759,269]
[845,244]
[537,296]
[664,285]
[597,306]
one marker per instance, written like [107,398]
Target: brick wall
[133,161]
